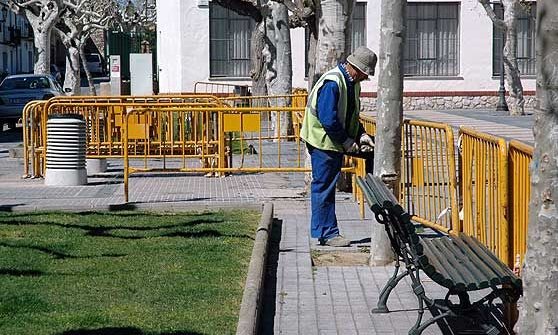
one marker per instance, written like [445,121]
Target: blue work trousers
[326,169]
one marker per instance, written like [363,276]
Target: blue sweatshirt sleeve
[328,96]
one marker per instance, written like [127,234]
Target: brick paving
[300,298]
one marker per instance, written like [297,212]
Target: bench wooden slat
[380,187]
[439,251]
[463,263]
[478,264]
[433,267]
[370,195]
[505,274]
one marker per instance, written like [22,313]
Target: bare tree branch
[302,14]
[25,4]
[243,7]
[492,15]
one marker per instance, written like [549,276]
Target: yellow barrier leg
[126,159]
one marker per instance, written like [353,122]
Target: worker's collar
[343,68]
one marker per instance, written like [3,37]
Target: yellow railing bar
[520,156]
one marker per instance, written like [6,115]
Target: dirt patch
[339,258]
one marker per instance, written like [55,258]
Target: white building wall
[170,32]
[195,39]
[183,44]
[298,54]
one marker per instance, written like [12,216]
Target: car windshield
[24,83]
[92,58]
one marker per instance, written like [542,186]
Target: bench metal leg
[418,328]
[386,291]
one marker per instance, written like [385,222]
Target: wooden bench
[457,262]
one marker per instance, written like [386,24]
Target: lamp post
[502,105]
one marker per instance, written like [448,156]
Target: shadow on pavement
[9,208]
[270,286]
[11,135]
[122,207]
[491,316]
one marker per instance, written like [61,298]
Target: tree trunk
[258,68]
[333,18]
[92,88]
[42,51]
[42,15]
[513,81]
[387,156]
[71,78]
[313,45]
[279,69]
[538,307]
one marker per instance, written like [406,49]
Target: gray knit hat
[364,60]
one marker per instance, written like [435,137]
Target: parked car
[18,90]
[94,64]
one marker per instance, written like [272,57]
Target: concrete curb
[250,308]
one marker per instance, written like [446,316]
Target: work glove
[350,146]
[366,143]
[366,139]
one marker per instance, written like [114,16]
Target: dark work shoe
[337,241]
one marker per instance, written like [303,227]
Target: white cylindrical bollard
[65,153]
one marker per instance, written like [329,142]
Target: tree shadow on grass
[21,273]
[205,233]
[56,253]
[122,331]
[120,213]
[109,231]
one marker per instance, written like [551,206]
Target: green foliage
[123,273]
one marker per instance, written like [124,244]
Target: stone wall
[447,102]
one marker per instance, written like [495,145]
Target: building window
[432,45]
[229,47]
[358,37]
[525,39]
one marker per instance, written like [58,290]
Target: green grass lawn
[122,273]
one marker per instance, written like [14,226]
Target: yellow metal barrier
[520,156]
[369,124]
[253,148]
[32,141]
[484,187]
[104,118]
[428,174]
[300,97]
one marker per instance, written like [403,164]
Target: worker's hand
[366,140]
[350,146]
